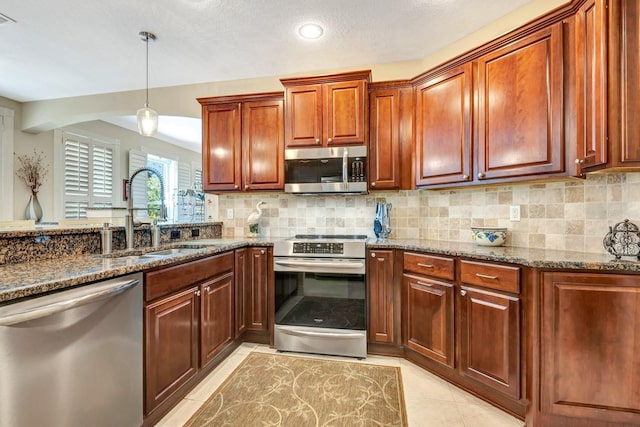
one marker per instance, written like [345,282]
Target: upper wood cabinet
[243,142]
[520,108]
[390,136]
[591,37]
[327,110]
[624,81]
[443,112]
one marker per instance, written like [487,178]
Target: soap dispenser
[106,236]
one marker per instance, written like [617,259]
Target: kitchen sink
[173,251]
[138,255]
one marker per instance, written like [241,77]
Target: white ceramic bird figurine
[254,219]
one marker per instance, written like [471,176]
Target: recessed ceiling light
[310,31]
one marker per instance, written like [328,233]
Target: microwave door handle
[345,169]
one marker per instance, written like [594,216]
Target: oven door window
[323,300]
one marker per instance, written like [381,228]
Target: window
[90,168]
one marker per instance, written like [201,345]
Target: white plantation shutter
[184,176]
[137,160]
[102,172]
[197,179]
[89,171]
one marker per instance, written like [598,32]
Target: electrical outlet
[514,213]
[195,232]
[175,234]
[229,213]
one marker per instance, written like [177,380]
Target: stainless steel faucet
[128,226]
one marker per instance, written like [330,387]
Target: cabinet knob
[481,175]
[463,292]
[246,187]
[262,252]
[579,161]
[329,140]
[198,293]
[317,140]
[373,254]
[208,289]
[236,186]
[373,184]
[465,177]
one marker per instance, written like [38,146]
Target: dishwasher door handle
[42,306]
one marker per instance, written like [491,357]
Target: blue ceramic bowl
[489,236]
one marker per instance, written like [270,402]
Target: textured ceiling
[63,48]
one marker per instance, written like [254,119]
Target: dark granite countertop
[32,278]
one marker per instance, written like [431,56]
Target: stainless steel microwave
[325,170]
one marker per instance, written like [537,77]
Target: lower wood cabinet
[490,339]
[171,345]
[254,274]
[381,325]
[429,318]
[589,346]
[461,319]
[188,321]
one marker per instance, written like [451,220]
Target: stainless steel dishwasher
[73,358]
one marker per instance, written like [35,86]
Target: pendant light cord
[146,41]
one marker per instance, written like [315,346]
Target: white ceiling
[64,48]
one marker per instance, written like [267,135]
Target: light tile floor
[430,401]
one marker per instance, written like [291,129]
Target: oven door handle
[321,334]
[320,264]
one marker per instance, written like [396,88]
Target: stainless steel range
[320,295]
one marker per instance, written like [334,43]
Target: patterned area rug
[277,390]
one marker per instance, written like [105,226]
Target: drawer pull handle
[425,284]
[426,265]
[485,276]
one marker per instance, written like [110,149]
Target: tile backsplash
[571,214]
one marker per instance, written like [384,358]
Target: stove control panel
[328,248]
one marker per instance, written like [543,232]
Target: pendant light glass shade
[147,121]
[147,117]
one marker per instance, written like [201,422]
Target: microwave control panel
[357,170]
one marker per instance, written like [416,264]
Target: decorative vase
[33,210]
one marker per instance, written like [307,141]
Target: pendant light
[147,117]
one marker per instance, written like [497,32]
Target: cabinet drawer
[500,277]
[166,280]
[429,265]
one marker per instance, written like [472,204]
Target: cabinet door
[171,347]
[591,79]
[490,339]
[626,139]
[590,342]
[221,147]
[344,113]
[381,326]
[429,318]
[257,289]
[263,145]
[443,128]
[216,316]
[520,107]
[303,121]
[240,279]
